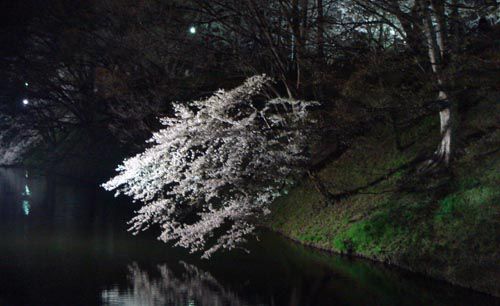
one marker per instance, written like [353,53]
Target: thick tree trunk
[434,28]
[446,116]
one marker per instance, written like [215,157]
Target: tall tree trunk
[434,28]
[455,26]
[321,31]
[298,33]
[411,25]
[443,153]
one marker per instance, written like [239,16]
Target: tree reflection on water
[190,287]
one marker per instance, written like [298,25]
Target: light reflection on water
[65,243]
[192,287]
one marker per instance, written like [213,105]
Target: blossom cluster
[217,166]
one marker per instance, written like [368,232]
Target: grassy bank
[446,226]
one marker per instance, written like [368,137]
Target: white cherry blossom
[216,167]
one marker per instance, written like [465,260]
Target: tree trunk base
[328,198]
[436,163]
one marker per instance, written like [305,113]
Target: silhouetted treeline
[108,69]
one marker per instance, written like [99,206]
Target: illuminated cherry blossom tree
[217,166]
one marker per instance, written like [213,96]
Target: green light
[27,191]
[26,207]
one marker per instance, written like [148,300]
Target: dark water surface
[65,243]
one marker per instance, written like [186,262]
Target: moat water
[65,242]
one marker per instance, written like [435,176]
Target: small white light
[26,84]
[26,102]
[192,30]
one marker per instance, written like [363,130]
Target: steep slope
[443,225]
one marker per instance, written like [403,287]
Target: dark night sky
[15,15]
